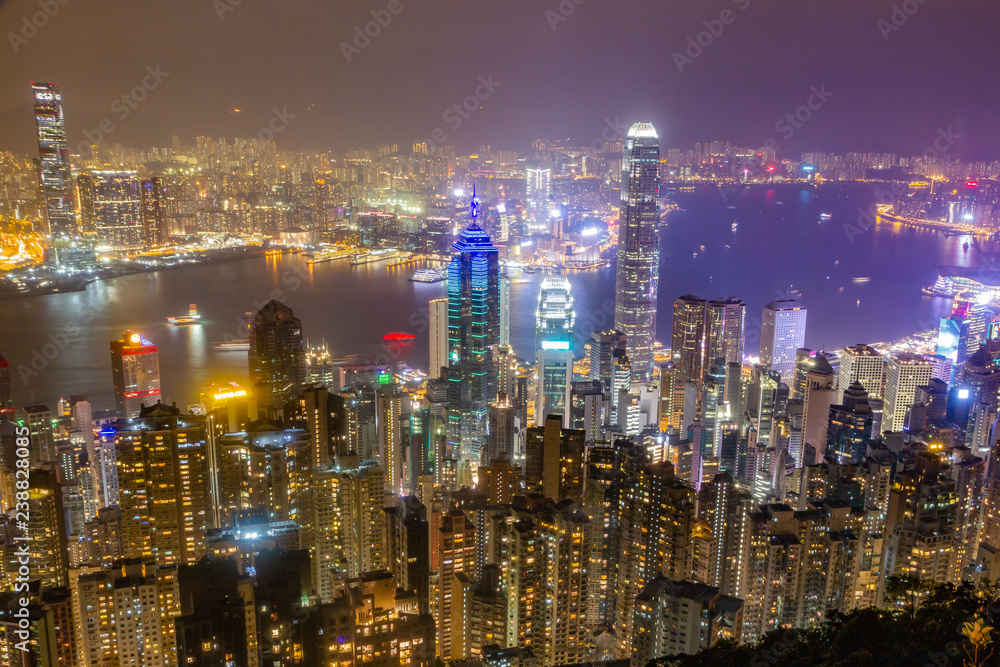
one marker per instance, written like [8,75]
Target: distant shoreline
[80,284]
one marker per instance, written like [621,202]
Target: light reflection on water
[776,248]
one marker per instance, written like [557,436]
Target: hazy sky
[893,84]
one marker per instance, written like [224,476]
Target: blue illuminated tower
[473,334]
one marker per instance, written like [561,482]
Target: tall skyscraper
[904,373]
[554,321]
[277,358]
[861,363]
[539,193]
[154,214]
[724,324]
[113,204]
[135,367]
[603,345]
[687,346]
[54,173]
[163,484]
[438,335]
[782,332]
[638,276]
[473,333]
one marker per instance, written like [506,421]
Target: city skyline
[558,334]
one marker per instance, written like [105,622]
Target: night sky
[893,87]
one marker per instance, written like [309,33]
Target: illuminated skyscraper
[639,247]
[904,373]
[554,321]
[539,193]
[603,345]
[455,544]
[47,529]
[277,357]
[163,484]
[114,206]
[54,173]
[687,345]
[154,220]
[724,322]
[861,363]
[782,332]
[473,333]
[135,367]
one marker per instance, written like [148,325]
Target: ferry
[429,276]
[234,345]
[191,318]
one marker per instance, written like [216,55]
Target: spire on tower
[474,206]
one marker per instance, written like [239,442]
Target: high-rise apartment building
[164,484]
[277,357]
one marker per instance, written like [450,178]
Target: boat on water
[429,276]
[191,318]
[825,216]
[735,226]
[234,345]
